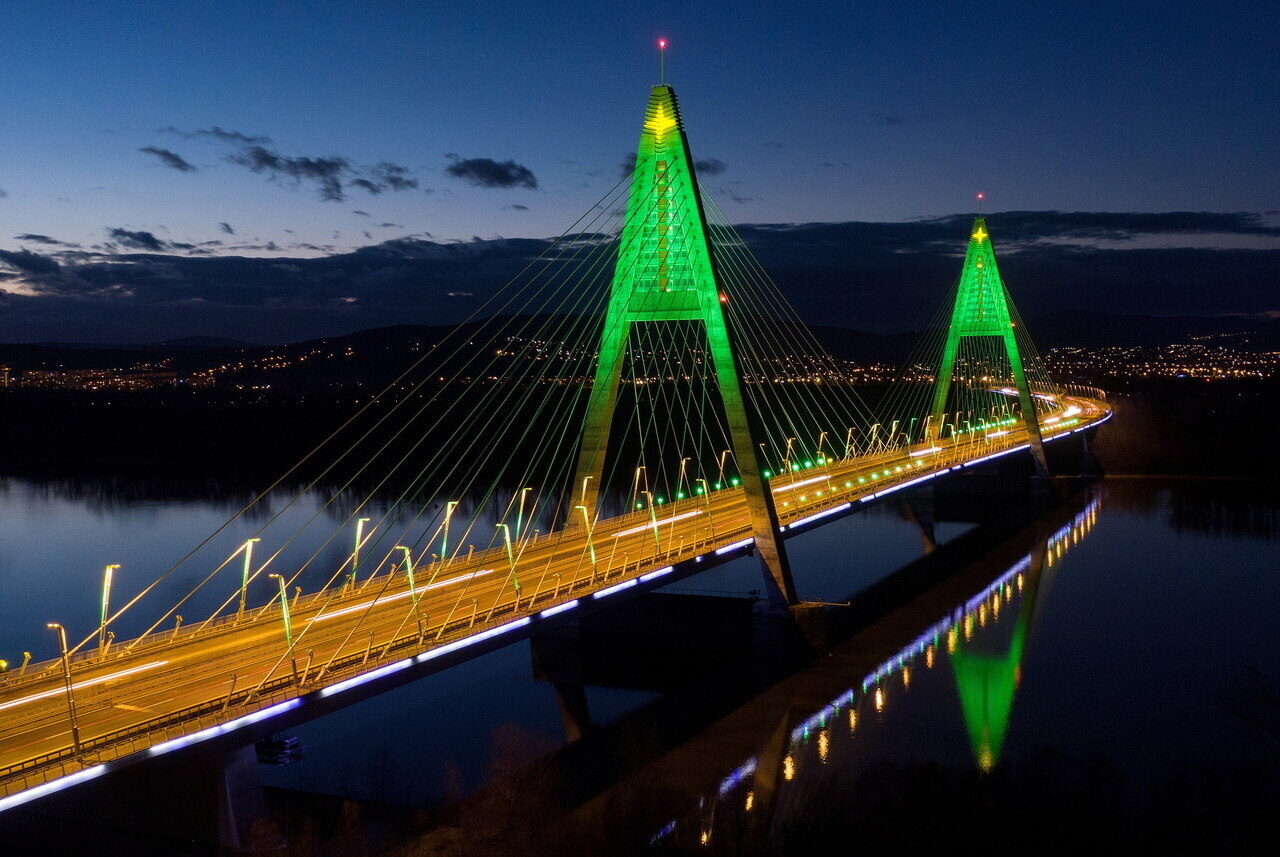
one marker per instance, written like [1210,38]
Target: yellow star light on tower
[661,122]
[979,234]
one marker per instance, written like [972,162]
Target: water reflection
[983,642]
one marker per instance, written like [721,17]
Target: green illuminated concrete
[982,309]
[666,272]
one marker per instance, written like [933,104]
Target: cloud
[219,134]
[137,240]
[361,213]
[393,176]
[515,206]
[226,227]
[28,262]
[330,175]
[36,239]
[391,226]
[170,159]
[326,173]
[709,167]
[628,164]
[373,187]
[3,193]
[486,172]
[868,275]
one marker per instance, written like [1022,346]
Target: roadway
[339,633]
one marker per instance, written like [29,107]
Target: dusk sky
[306,130]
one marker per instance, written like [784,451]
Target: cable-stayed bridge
[640,406]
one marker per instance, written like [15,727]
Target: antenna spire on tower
[981,202]
[662,61]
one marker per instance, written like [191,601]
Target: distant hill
[1085,330]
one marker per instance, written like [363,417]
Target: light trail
[367,604]
[80,685]
[655,524]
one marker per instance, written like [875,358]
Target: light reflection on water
[1134,631]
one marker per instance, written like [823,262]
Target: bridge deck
[168,688]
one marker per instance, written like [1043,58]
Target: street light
[520,514]
[444,539]
[586,519]
[106,602]
[511,557]
[244,574]
[653,518]
[66,676]
[408,569]
[355,553]
[284,609]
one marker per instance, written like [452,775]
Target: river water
[1114,650]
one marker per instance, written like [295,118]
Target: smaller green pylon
[982,309]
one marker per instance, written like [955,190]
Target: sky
[203,131]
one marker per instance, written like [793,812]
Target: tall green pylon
[666,272]
[982,309]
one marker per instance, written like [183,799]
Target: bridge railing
[192,719]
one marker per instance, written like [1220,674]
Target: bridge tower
[666,272]
[982,310]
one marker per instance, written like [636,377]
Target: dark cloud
[220,134]
[486,172]
[226,227]
[326,173]
[709,167]
[391,226]
[393,176]
[628,165]
[879,276]
[170,159]
[36,239]
[137,240]
[373,187]
[330,175]
[515,206]
[361,213]
[28,262]
[3,193]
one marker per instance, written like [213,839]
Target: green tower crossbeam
[982,309]
[666,272]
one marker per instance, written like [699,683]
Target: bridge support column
[667,273]
[557,660]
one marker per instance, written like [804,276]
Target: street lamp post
[408,570]
[244,574]
[66,676]
[444,538]
[355,552]
[520,514]
[511,556]
[284,609]
[586,519]
[106,606]
[653,519]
